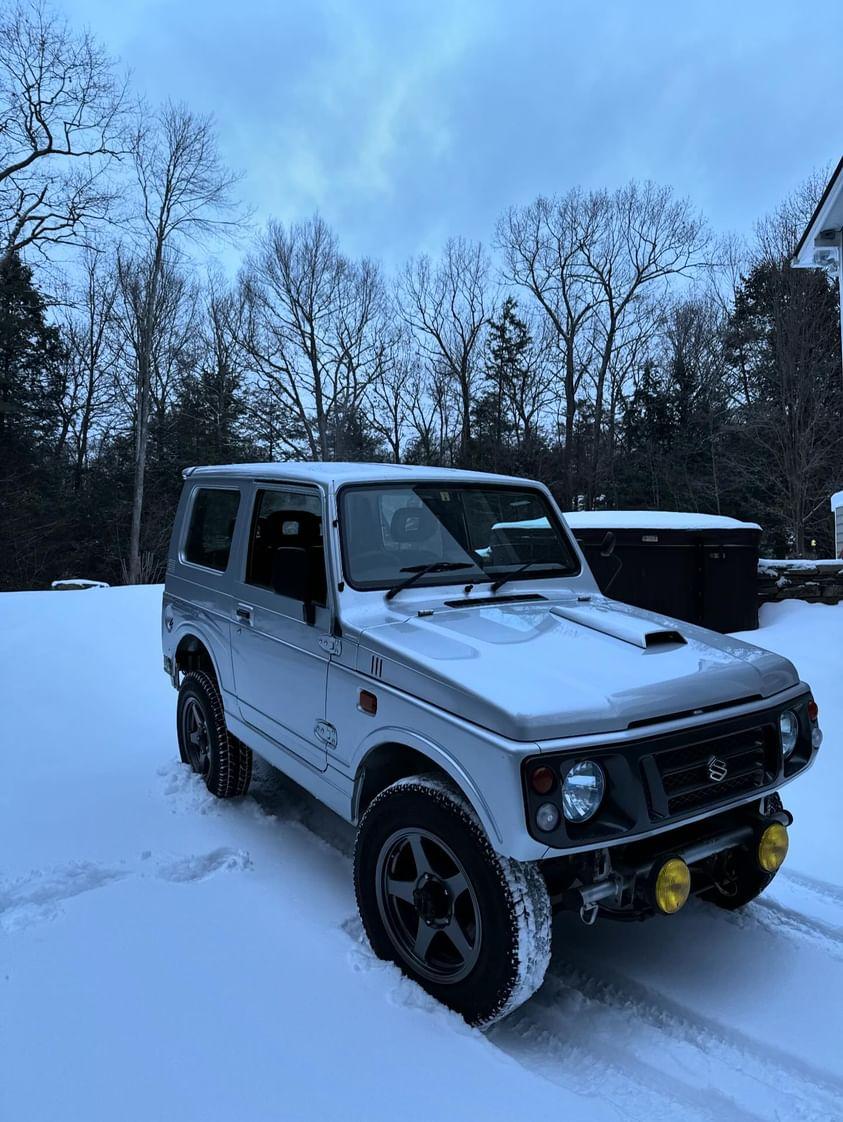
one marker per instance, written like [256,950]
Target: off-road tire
[228,766]
[512,898]
[745,883]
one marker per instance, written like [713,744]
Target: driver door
[278,648]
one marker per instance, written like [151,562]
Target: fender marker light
[368,703]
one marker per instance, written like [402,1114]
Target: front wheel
[470,926]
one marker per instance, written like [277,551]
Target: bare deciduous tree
[60,129]
[447,305]
[315,331]
[185,195]
[589,259]
[542,246]
[93,352]
[394,394]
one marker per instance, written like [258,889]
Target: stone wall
[817,581]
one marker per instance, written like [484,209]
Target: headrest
[412,524]
[290,528]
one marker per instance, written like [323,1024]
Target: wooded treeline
[603,341]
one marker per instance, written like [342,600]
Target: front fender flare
[437,755]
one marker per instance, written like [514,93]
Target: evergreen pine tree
[506,368]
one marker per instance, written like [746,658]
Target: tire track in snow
[38,897]
[574,1041]
[612,1038]
[775,918]
[815,886]
[778,917]
[546,1036]
[659,1044]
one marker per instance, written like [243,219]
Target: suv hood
[538,671]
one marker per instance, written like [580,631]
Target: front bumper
[617,882]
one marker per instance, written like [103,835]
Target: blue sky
[403,123]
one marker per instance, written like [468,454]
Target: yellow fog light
[772,848]
[673,883]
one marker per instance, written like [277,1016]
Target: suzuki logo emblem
[717,769]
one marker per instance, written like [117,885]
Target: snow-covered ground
[164,956]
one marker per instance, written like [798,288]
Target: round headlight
[582,791]
[789,728]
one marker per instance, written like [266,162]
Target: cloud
[405,122]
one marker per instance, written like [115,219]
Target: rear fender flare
[189,630]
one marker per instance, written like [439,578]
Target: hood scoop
[619,625]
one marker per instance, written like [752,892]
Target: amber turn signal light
[542,780]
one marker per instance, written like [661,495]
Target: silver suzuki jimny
[427,653]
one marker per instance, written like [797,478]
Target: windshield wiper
[418,571]
[523,569]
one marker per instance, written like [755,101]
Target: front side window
[286,551]
[479,533]
[211,529]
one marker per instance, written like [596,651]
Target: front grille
[686,772]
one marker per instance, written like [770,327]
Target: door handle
[243,613]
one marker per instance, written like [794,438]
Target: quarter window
[211,528]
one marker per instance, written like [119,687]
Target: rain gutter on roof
[817,229]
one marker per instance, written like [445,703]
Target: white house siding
[837,510]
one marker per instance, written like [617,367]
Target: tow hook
[588,914]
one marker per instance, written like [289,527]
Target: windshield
[469,533]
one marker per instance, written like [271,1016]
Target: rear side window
[211,527]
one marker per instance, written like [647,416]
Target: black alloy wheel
[468,924]
[428,905]
[223,761]
[195,736]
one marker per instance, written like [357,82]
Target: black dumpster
[696,567]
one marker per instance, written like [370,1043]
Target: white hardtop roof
[327,472]
[653,520]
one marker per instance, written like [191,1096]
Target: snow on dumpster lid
[652,520]
[837,501]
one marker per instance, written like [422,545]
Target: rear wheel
[223,761]
[470,926]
